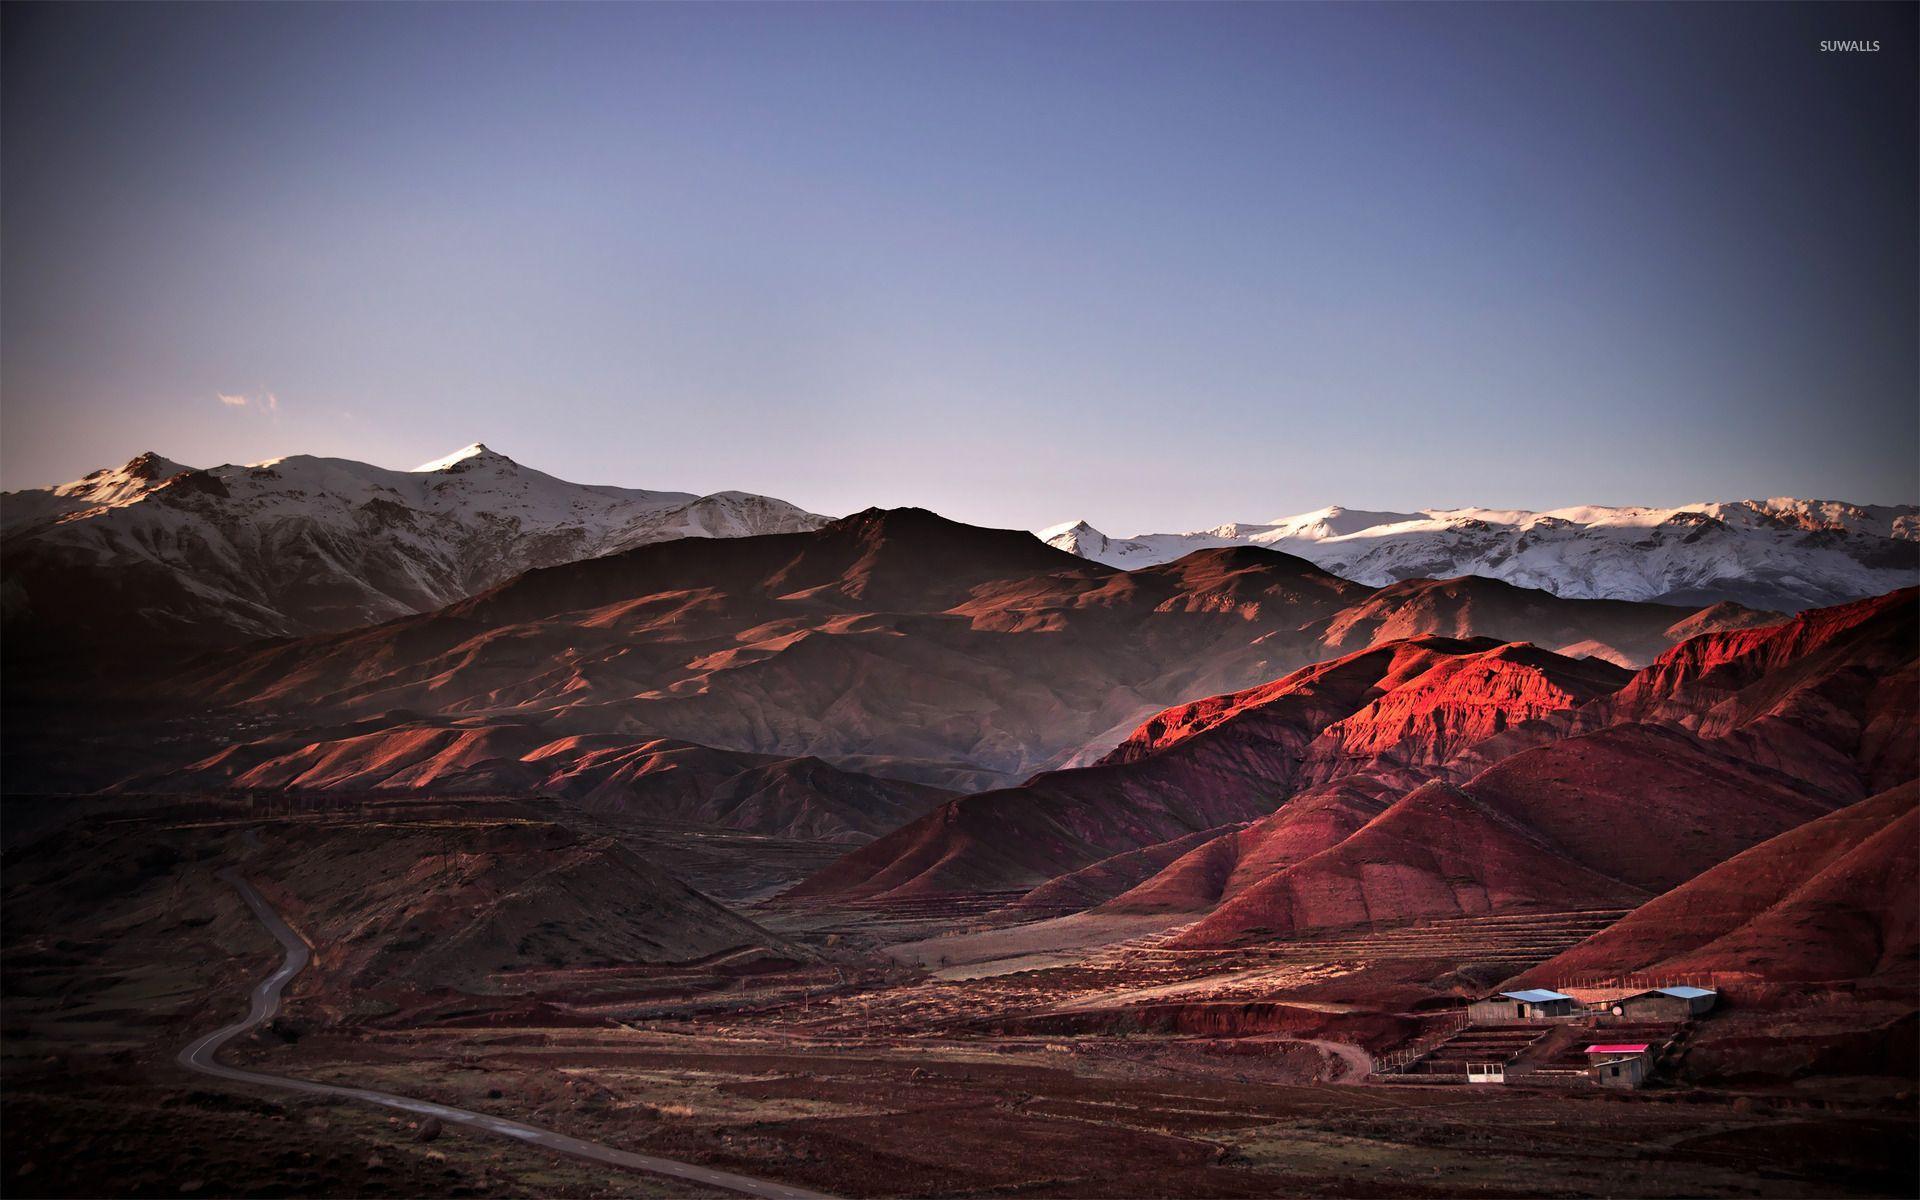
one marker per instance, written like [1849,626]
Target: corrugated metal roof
[1536,996]
[1686,993]
[1619,1048]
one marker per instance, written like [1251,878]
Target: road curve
[265,1001]
[1358,1062]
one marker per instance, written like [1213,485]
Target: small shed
[1618,1050]
[1665,1004]
[1627,1072]
[1533,1004]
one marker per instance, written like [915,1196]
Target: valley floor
[909,1051]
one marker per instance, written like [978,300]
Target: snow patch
[1779,553]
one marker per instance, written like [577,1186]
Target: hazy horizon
[1043,524]
[1151,267]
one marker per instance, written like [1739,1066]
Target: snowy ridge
[303,544]
[1780,553]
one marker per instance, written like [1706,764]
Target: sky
[1157,267]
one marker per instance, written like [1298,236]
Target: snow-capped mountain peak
[1333,521]
[1078,537]
[115,485]
[303,543]
[477,450]
[109,487]
[1780,553]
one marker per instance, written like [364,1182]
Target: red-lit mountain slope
[1603,820]
[1837,898]
[1403,705]
[1831,696]
[1751,733]
[658,778]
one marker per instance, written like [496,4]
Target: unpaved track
[201,1056]
[1358,1062]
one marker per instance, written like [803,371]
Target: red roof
[1619,1048]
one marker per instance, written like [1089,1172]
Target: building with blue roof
[1678,1003]
[1530,1004]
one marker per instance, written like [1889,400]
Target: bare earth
[1098,1063]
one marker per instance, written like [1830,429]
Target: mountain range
[892,642]
[1782,553]
[1432,778]
[1236,741]
[155,552]
[155,556]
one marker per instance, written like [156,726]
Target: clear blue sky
[1153,266]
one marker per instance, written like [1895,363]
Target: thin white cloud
[264,402]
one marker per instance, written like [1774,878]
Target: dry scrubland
[822,1046]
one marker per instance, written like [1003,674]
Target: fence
[1639,981]
[1450,1023]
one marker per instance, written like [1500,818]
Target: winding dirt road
[202,1056]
